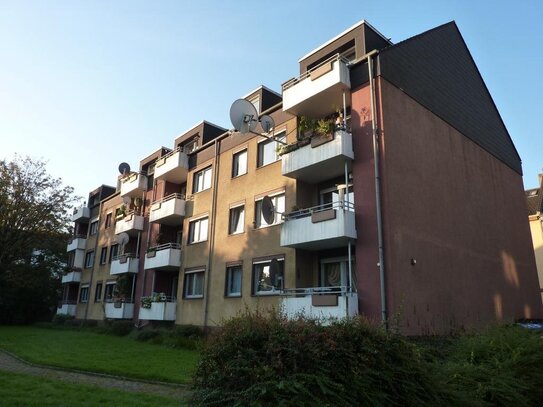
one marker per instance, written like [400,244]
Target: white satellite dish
[123,238]
[267,123]
[243,116]
[127,200]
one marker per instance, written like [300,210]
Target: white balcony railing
[316,91]
[125,263]
[131,224]
[321,227]
[170,210]
[78,242]
[314,164]
[72,277]
[67,309]
[81,214]
[323,303]
[133,184]
[159,310]
[173,167]
[119,310]
[163,257]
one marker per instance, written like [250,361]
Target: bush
[147,335]
[61,319]
[189,331]
[501,366]
[120,328]
[257,359]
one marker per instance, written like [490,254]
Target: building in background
[432,233]
[534,199]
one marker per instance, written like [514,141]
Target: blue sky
[86,85]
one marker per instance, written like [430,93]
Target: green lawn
[83,350]
[24,390]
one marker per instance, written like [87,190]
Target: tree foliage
[34,209]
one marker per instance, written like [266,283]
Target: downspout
[94,261]
[212,229]
[375,137]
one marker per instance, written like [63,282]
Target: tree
[34,226]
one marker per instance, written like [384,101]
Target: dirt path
[10,363]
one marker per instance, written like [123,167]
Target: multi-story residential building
[534,199]
[399,192]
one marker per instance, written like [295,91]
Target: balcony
[316,91]
[81,214]
[323,303]
[67,309]
[173,167]
[158,307]
[169,210]
[163,257]
[131,224]
[72,277]
[321,227]
[119,310]
[133,185]
[125,263]
[319,161]
[78,242]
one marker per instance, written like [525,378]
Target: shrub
[60,319]
[189,331]
[266,359]
[147,335]
[120,328]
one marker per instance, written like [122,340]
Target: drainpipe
[212,229]
[375,137]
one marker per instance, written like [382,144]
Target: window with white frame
[89,259]
[267,150]
[256,103]
[198,230]
[239,163]
[233,281]
[93,229]
[84,293]
[236,222]
[279,206]
[202,180]
[265,281]
[194,284]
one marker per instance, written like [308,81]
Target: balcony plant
[146,302]
[120,212]
[286,149]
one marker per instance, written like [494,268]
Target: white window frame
[195,234]
[93,227]
[281,136]
[274,290]
[89,259]
[241,221]
[193,275]
[260,223]
[107,288]
[228,281]
[85,288]
[202,180]
[238,154]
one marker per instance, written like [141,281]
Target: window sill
[239,176]
[196,297]
[236,234]
[199,192]
[232,296]
[265,165]
[194,243]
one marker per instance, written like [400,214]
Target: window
[89,259]
[233,281]
[279,205]
[98,292]
[190,146]
[237,220]
[256,103]
[114,252]
[84,293]
[109,216]
[194,284]
[267,151]
[264,281]
[202,180]
[198,230]
[103,255]
[110,290]
[239,163]
[93,228]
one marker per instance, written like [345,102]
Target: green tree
[34,225]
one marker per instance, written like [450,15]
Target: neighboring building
[534,199]
[453,250]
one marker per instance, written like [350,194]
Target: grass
[83,350]
[24,390]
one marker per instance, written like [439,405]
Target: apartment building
[399,196]
[534,199]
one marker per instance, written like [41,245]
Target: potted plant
[306,128]
[325,132]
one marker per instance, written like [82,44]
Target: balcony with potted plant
[158,307]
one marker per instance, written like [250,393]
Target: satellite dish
[243,116]
[127,200]
[274,270]
[268,210]
[267,123]
[124,168]
[123,238]
[137,202]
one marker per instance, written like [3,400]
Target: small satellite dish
[127,200]
[268,210]
[124,168]
[137,202]
[267,123]
[243,116]
[123,238]
[274,270]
